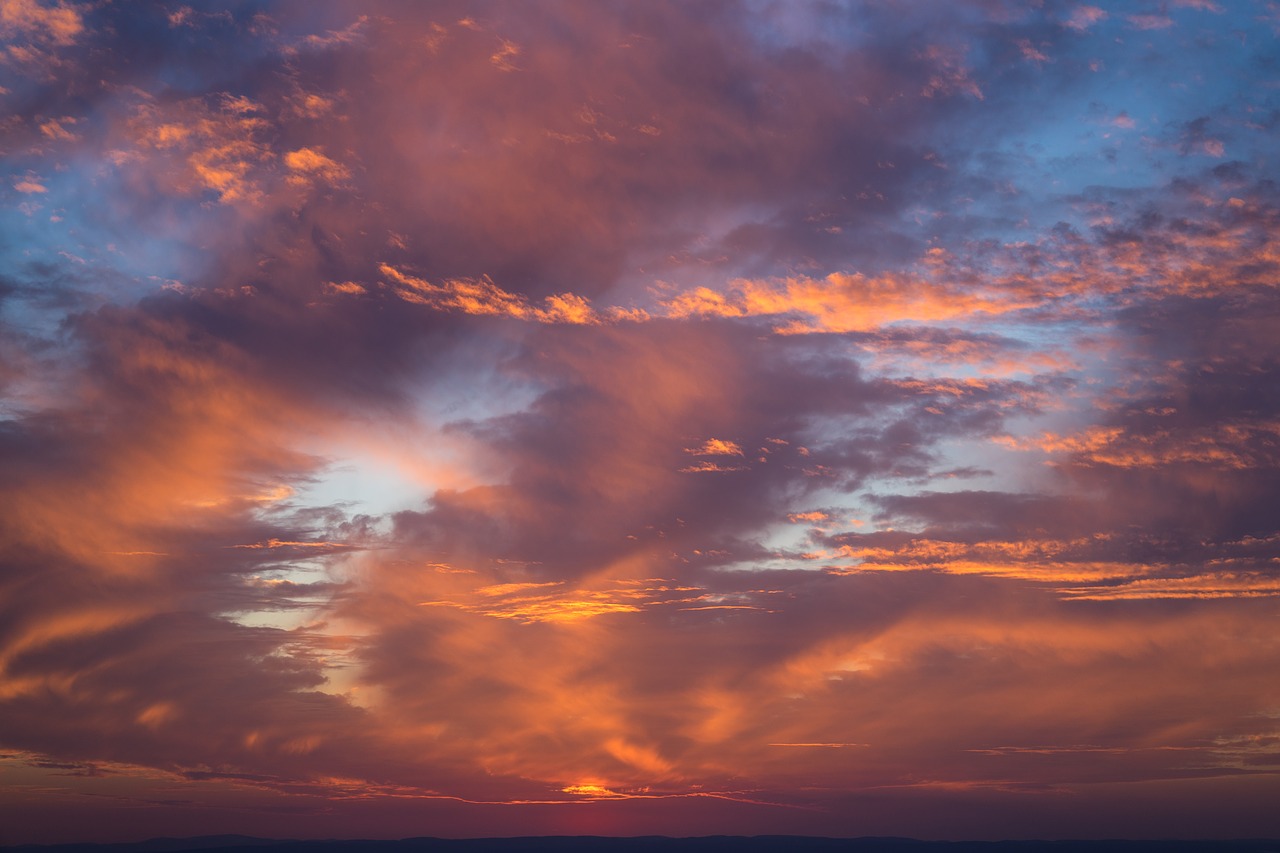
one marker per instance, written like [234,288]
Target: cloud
[54,129]
[199,144]
[309,164]
[1083,17]
[56,23]
[716,447]
[483,297]
[1212,585]
[1030,52]
[839,303]
[27,186]
[951,75]
[503,418]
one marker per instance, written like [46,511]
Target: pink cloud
[1084,17]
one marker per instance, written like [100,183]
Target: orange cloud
[504,57]
[716,447]
[554,601]
[840,302]
[1239,446]
[308,164]
[202,144]
[808,516]
[57,23]
[1206,585]
[54,129]
[28,186]
[483,297]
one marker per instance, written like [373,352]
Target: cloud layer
[644,418]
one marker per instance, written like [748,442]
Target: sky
[628,418]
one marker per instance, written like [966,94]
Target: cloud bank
[494,419]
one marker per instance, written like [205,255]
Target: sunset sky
[521,418]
